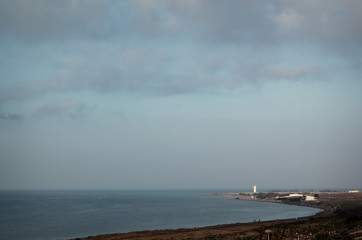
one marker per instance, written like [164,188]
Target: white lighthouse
[254,188]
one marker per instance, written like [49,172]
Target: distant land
[341,218]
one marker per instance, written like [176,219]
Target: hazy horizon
[180,94]
[205,190]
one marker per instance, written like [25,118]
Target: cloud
[230,22]
[255,22]
[289,20]
[170,47]
[86,77]
[333,25]
[294,73]
[11,117]
[39,20]
[70,108]
[213,21]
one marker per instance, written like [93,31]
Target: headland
[341,218]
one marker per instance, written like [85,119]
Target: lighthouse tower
[254,188]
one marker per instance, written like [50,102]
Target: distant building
[295,195]
[310,198]
[254,188]
[353,191]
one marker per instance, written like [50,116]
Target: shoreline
[324,209]
[336,207]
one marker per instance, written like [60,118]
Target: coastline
[336,208]
[325,209]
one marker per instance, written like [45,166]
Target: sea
[48,215]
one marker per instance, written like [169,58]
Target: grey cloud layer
[71,108]
[332,22]
[39,20]
[11,117]
[134,28]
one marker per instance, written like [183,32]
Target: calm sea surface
[30,215]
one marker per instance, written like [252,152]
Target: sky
[192,94]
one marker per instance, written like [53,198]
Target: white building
[295,195]
[353,191]
[310,198]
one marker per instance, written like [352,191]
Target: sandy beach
[341,218]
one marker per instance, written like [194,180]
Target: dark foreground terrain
[341,219]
